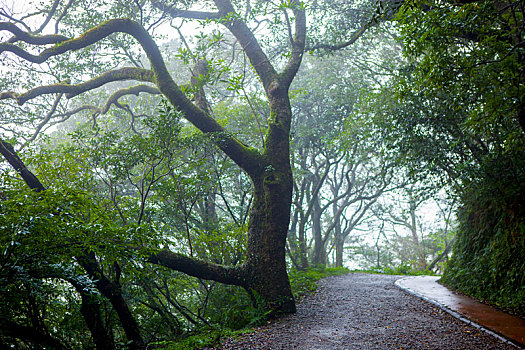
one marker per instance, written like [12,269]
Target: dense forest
[173,166]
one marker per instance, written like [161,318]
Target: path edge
[454,313]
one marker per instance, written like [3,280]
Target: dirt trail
[363,311]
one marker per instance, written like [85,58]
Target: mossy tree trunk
[270,212]
[270,172]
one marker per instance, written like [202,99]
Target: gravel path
[363,311]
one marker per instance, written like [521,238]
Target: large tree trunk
[264,271]
[266,267]
[90,310]
[270,212]
[271,174]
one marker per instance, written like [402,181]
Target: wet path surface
[509,326]
[363,311]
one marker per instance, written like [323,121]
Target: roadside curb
[398,283]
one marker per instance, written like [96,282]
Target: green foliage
[233,308]
[202,339]
[41,237]
[461,110]
[100,186]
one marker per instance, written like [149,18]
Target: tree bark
[270,212]
[14,160]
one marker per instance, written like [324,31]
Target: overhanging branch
[200,268]
[357,34]
[134,90]
[95,110]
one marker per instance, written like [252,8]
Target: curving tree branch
[134,90]
[127,73]
[334,47]
[112,100]
[244,35]
[46,119]
[7,150]
[247,158]
[20,35]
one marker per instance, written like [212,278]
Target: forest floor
[364,311]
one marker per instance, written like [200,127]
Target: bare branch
[112,100]
[4,13]
[177,13]
[288,27]
[45,120]
[249,43]
[134,90]
[63,14]
[357,34]
[49,16]
[298,44]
